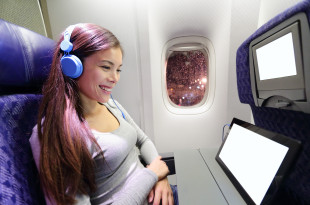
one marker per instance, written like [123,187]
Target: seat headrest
[25,59]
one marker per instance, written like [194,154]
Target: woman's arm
[138,187]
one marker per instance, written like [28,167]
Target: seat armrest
[168,158]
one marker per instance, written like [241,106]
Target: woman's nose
[114,76]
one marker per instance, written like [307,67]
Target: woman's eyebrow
[110,62]
[106,61]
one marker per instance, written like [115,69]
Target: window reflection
[186,76]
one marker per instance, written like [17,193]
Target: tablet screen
[252,157]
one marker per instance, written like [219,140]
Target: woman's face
[101,72]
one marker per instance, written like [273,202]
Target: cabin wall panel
[227,24]
[170,19]
[243,24]
[269,9]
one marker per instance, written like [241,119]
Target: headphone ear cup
[71,66]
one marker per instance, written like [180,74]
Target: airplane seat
[25,58]
[294,124]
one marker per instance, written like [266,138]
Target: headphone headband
[66,45]
[68,32]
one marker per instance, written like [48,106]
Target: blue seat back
[296,188]
[25,59]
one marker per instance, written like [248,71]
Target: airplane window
[186,77]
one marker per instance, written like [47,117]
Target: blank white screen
[276,59]
[253,159]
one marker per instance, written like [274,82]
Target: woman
[84,142]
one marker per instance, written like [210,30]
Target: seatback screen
[277,59]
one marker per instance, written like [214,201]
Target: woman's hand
[161,192]
[159,167]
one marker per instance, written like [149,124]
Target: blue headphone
[71,65]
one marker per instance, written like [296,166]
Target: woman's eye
[105,67]
[119,70]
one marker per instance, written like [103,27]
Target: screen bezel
[288,82]
[294,148]
[299,98]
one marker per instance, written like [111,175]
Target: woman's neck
[90,107]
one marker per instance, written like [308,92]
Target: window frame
[189,43]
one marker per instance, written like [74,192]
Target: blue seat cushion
[19,180]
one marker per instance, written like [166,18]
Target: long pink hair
[66,166]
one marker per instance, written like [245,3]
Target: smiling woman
[83,147]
